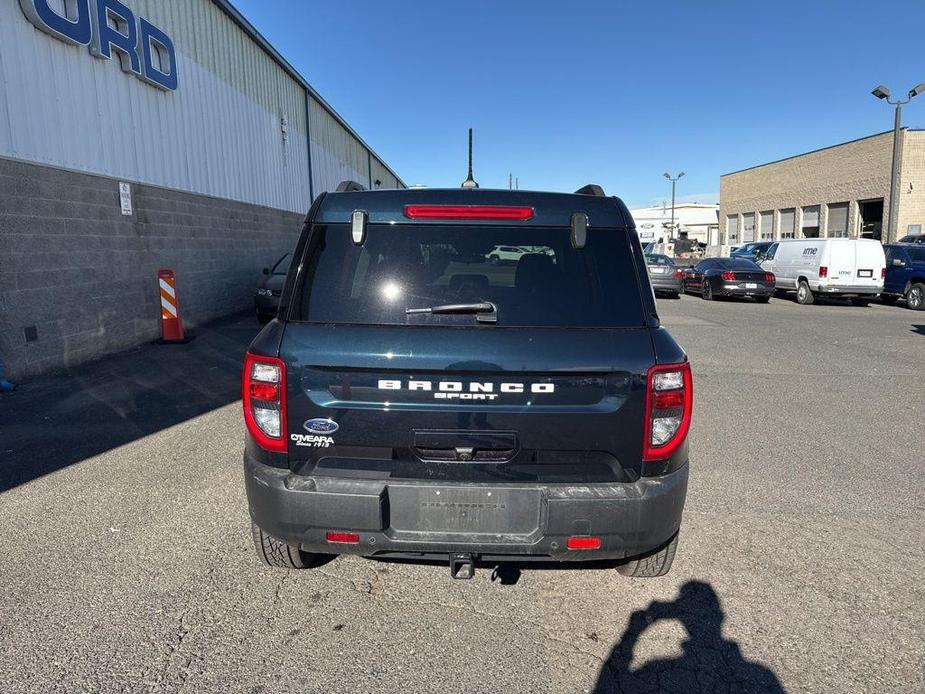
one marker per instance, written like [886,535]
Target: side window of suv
[771,252]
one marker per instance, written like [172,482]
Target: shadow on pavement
[60,420]
[919,329]
[709,663]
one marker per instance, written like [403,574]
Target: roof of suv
[549,209]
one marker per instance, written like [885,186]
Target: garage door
[732,229]
[787,221]
[748,227]
[767,226]
[838,220]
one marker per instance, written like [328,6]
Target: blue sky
[617,93]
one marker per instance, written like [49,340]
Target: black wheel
[492,260]
[915,296]
[654,564]
[888,299]
[277,553]
[263,318]
[858,301]
[707,293]
[762,299]
[805,294]
[674,295]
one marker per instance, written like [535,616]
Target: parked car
[664,275]
[729,277]
[905,275]
[413,400]
[847,268]
[505,254]
[913,238]
[269,289]
[751,251]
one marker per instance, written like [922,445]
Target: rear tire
[278,554]
[674,295]
[915,297]
[860,302]
[805,294]
[707,291]
[654,564]
[888,299]
[762,299]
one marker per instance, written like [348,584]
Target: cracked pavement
[127,564]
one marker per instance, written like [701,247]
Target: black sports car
[729,277]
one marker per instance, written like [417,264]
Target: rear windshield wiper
[485,311]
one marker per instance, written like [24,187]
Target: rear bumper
[848,289]
[400,517]
[740,290]
[665,284]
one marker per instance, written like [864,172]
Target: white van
[850,268]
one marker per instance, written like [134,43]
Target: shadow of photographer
[709,663]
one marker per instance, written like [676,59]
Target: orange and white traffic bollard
[171,320]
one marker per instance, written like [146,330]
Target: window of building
[810,228]
[787,223]
[914,229]
[748,227]
[766,220]
[837,226]
[732,228]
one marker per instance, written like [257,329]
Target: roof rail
[349,187]
[591,189]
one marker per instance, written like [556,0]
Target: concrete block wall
[912,182]
[83,275]
[858,170]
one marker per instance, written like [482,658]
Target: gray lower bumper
[407,516]
[665,284]
[848,290]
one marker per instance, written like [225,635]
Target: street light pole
[882,92]
[674,182]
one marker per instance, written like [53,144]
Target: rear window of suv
[541,281]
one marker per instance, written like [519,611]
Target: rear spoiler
[591,189]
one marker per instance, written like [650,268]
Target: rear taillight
[512,214]
[678,274]
[264,396]
[823,271]
[669,404]
[883,273]
[728,276]
[769,277]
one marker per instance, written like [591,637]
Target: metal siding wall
[336,155]
[218,134]
[382,173]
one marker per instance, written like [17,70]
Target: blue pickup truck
[905,275]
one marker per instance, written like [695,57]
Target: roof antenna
[470,182]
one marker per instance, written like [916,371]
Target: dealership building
[843,190]
[140,135]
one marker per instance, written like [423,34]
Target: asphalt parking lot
[127,563]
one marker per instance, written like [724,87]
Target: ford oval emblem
[321,426]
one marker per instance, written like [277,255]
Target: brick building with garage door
[843,190]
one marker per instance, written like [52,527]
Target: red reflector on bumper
[583,543]
[342,538]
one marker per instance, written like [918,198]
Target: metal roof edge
[248,28]
[812,151]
